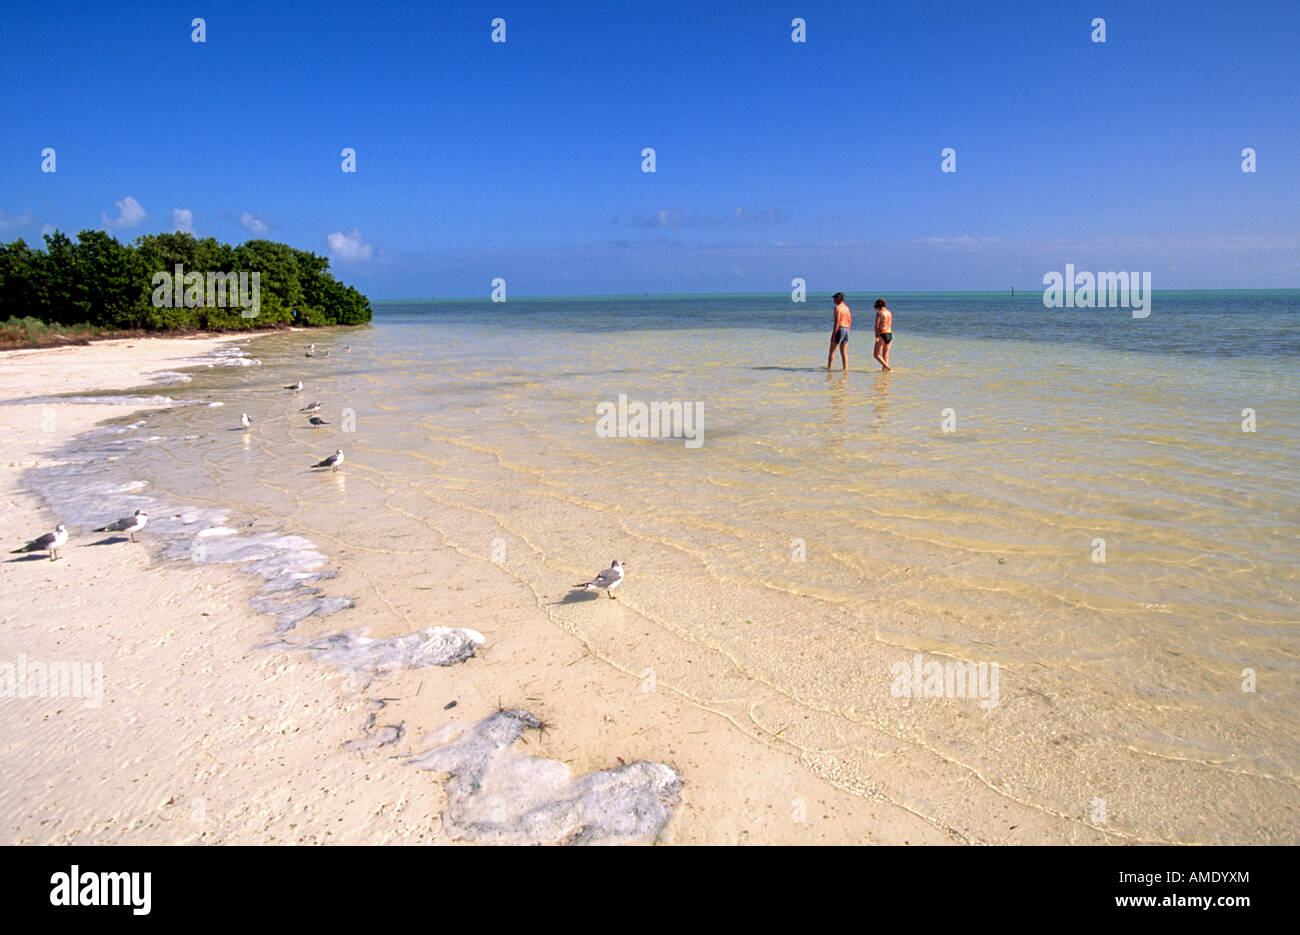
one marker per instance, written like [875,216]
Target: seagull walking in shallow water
[245,421]
[332,462]
[311,350]
[607,580]
[317,421]
[295,386]
[50,542]
[127,524]
[311,408]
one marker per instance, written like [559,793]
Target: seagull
[312,408]
[311,350]
[295,387]
[607,580]
[127,524]
[50,542]
[325,353]
[245,420]
[348,347]
[333,461]
[317,421]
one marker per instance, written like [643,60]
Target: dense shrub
[98,281]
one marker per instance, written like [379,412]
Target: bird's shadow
[578,597]
[111,540]
[30,558]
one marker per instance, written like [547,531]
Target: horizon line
[848,292]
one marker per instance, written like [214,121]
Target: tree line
[99,281]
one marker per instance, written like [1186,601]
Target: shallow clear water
[829,528]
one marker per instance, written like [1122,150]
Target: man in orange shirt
[840,325]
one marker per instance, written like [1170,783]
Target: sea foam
[496,795]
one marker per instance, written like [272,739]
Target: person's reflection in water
[880,398]
[837,418]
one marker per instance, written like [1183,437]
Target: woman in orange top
[884,333]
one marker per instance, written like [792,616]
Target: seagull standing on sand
[311,350]
[332,462]
[607,580]
[50,542]
[317,421]
[245,421]
[127,524]
[295,387]
[312,408]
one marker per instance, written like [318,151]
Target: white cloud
[129,214]
[349,246]
[183,220]
[21,220]
[742,214]
[47,229]
[668,218]
[254,224]
[665,217]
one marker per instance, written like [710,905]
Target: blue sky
[774,159]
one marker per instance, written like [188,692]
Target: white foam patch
[217,531]
[289,613]
[136,402]
[288,580]
[375,735]
[496,795]
[224,357]
[433,646]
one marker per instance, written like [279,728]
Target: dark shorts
[841,336]
[886,336]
